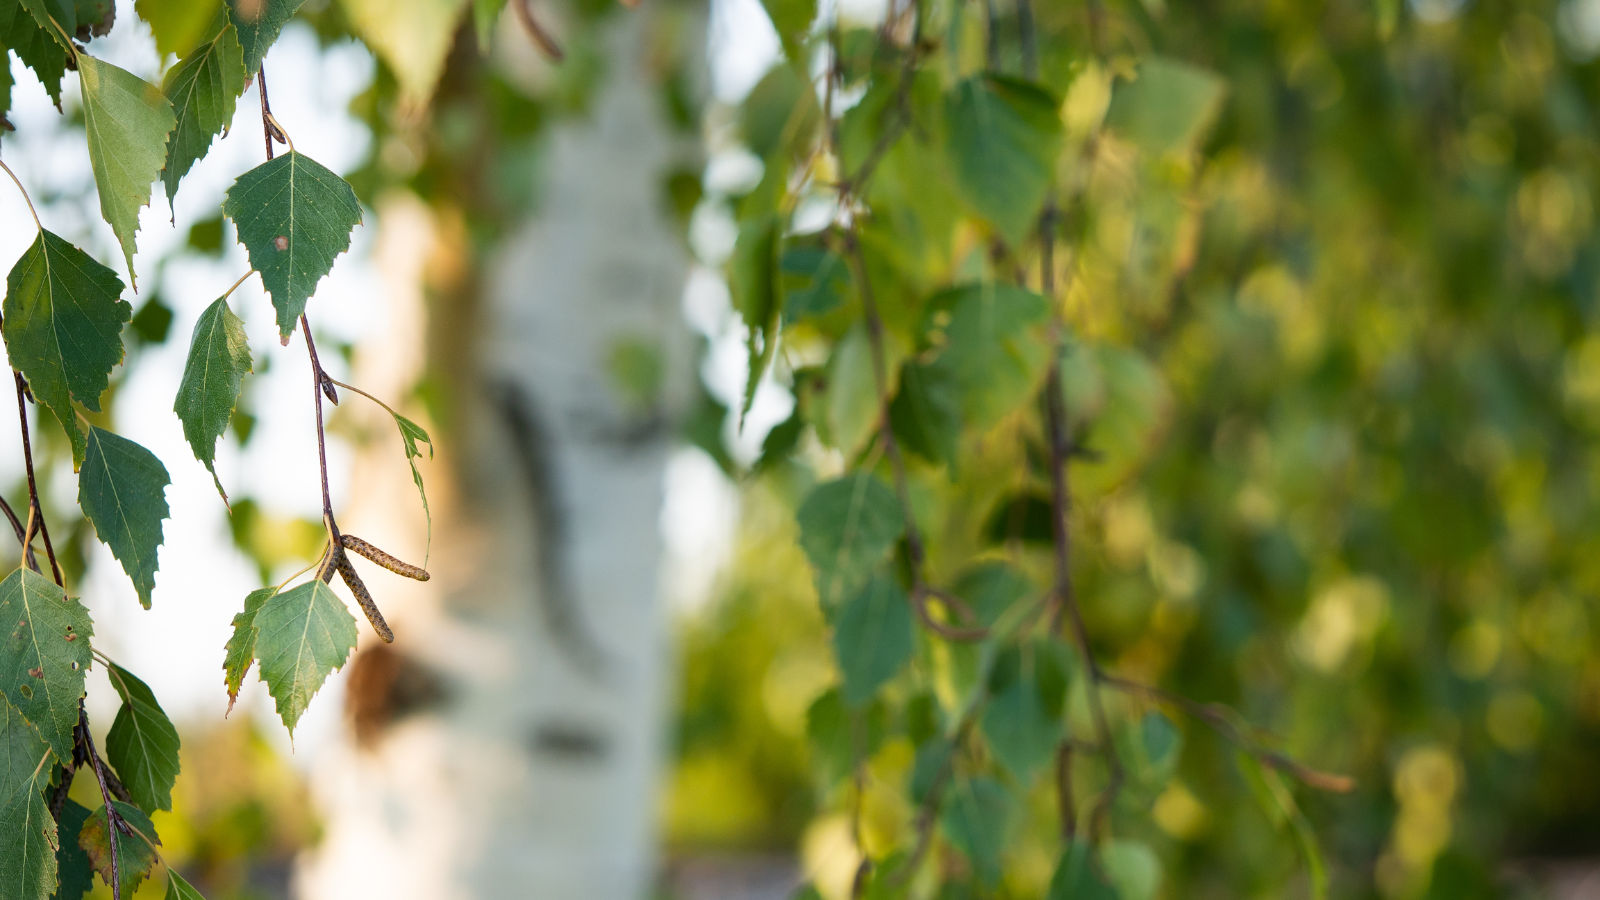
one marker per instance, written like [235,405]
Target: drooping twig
[541,37]
[36,511]
[114,822]
[1220,719]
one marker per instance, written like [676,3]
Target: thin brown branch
[1064,798]
[36,511]
[1221,720]
[268,123]
[114,822]
[541,37]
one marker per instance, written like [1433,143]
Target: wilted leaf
[241,646]
[136,853]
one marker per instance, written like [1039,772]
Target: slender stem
[991,50]
[1220,718]
[350,387]
[1028,40]
[543,38]
[25,196]
[1064,799]
[16,525]
[36,511]
[266,108]
[229,291]
[114,821]
[318,377]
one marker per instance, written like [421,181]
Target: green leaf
[52,13]
[753,278]
[1156,749]
[976,819]
[872,638]
[410,434]
[846,527]
[1125,401]
[485,14]
[1020,729]
[815,281]
[135,855]
[991,349]
[792,19]
[73,869]
[122,490]
[926,412]
[1168,108]
[63,328]
[178,25]
[27,839]
[44,654]
[852,412]
[94,17]
[1134,868]
[293,216]
[219,358]
[127,120]
[242,646]
[203,88]
[1075,878]
[38,49]
[258,23]
[1002,137]
[142,744]
[301,635]
[991,588]
[178,889]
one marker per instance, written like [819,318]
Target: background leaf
[990,350]
[1167,108]
[74,872]
[122,490]
[219,358]
[1075,878]
[846,527]
[127,120]
[44,655]
[302,634]
[1002,136]
[293,216]
[178,25]
[142,744]
[178,889]
[977,818]
[872,638]
[63,328]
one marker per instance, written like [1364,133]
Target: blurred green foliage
[1329,276]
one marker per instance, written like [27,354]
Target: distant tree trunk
[508,744]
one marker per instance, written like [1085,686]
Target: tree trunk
[507,744]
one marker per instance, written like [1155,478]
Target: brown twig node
[543,38]
[353,581]
[357,545]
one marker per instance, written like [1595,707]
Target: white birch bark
[535,775]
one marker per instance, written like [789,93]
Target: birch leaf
[44,653]
[1002,138]
[258,23]
[219,358]
[122,490]
[294,216]
[37,49]
[301,635]
[135,855]
[74,872]
[63,328]
[27,841]
[846,527]
[127,120]
[242,646]
[142,744]
[203,90]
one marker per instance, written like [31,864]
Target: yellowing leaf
[413,45]
[127,120]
